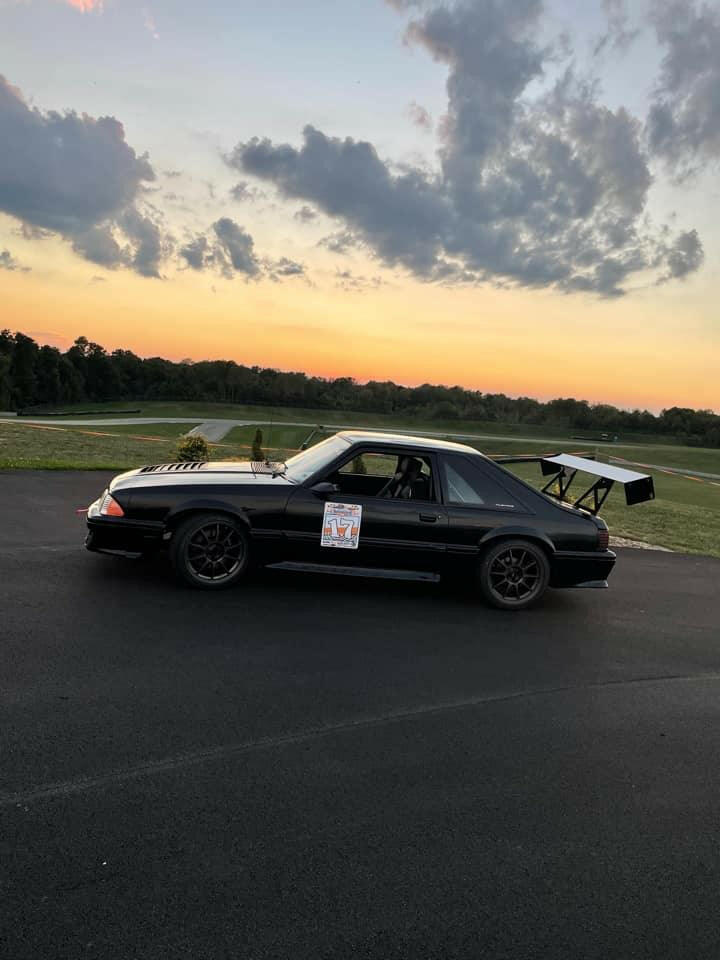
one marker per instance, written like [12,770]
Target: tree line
[32,376]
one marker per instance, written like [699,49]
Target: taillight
[110,507]
[603,540]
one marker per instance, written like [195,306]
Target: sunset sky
[511,195]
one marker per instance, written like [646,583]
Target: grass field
[77,448]
[685,516]
[197,411]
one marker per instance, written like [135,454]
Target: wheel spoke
[215,551]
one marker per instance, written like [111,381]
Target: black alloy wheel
[514,574]
[210,551]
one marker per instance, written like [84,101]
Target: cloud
[356,283]
[684,121]
[533,189]
[76,176]
[419,116]
[305,214]
[8,262]
[237,245]
[339,242]
[618,35]
[284,268]
[197,252]
[231,250]
[243,192]
[150,245]
[683,257]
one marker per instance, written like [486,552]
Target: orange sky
[655,348]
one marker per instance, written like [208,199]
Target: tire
[210,551]
[514,574]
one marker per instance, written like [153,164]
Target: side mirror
[325,487]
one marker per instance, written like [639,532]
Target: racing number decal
[341,525]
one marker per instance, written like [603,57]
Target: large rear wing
[562,468]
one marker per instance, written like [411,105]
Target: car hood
[200,474]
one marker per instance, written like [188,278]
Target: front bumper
[123,537]
[571,569]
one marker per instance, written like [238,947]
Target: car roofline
[357,437]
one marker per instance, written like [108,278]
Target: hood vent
[174,467]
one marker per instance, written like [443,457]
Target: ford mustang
[370,504]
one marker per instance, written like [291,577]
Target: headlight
[110,507]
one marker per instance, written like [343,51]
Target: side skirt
[589,585]
[375,572]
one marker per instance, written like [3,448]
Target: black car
[367,504]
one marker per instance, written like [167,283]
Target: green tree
[49,389]
[257,448]
[193,447]
[23,371]
[358,465]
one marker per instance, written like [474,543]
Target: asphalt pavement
[314,767]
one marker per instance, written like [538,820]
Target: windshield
[308,462]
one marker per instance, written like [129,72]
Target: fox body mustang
[364,503]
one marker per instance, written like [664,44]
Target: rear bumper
[572,569]
[126,538]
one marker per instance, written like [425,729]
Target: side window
[389,475]
[469,486]
[372,465]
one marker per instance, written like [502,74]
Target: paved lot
[310,767]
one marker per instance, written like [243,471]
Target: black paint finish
[284,517]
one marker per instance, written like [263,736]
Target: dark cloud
[77,176]
[618,36]
[230,250]
[100,245]
[339,242]
[285,267]
[684,119]
[305,214]
[419,116]
[542,191]
[150,247]
[684,257]
[237,245]
[197,252]
[243,192]
[8,262]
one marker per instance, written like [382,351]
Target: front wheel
[210,551]
[514,574]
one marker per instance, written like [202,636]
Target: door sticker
[341,525]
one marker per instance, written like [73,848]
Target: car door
[476,503]
[391,533]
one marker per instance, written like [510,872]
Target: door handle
[429,517]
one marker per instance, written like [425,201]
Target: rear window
[467,485]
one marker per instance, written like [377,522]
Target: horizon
[512,197]
[194,360]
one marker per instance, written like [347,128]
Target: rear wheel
[514,574]
[210,551]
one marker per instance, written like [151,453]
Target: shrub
[257,449]
[358,465]
[193,447]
